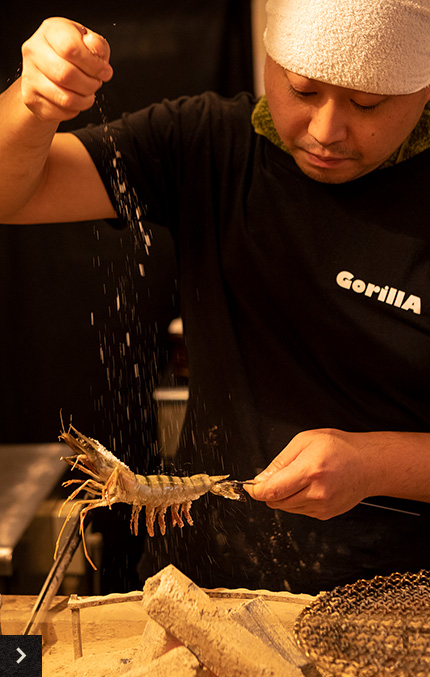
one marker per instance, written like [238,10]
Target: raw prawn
[112,481]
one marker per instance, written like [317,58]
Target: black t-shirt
[305,305]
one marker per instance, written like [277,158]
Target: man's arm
[48,177]
[324,473]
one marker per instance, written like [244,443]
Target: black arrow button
[21,655]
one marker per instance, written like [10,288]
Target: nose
[328,124]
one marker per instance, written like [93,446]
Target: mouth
[329,161]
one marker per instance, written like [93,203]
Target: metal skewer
[55,576]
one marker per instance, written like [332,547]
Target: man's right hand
[64,64]
[49,177]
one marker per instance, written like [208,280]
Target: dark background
[59,283]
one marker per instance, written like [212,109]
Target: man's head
[354,76]
[377,46]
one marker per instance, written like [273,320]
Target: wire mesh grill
[378,627]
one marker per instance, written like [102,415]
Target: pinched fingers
[307,502]
[85,49]
[295,490]
[278,485]
[64,65]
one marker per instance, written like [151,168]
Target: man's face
[337,134]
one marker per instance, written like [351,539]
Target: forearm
[25,141]
[400,464]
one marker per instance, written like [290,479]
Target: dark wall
[58,283]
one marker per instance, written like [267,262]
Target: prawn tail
[229,489]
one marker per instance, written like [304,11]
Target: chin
[326,177]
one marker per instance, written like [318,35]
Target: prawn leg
[176,516]
[150,519]
[185,511]
[134,520]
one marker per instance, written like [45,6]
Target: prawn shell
[166,490]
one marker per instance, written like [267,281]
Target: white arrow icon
[22,656]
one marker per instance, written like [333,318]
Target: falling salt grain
[136,370]
[92,319]
[142,269]
[127,338]
[118,302]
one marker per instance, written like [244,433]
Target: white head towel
[377,46]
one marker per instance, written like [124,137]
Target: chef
[300,222]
